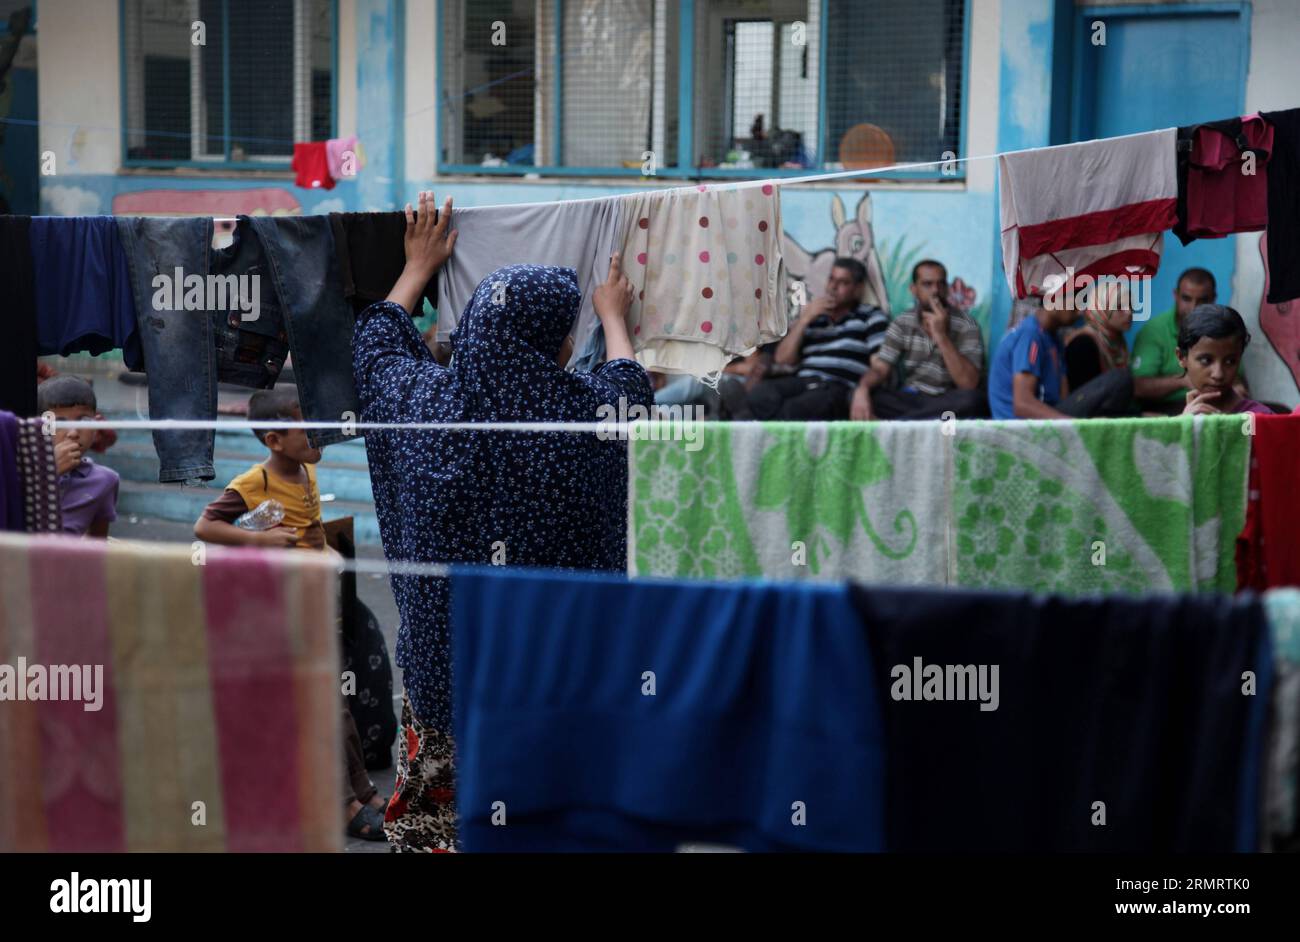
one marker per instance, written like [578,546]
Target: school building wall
[1021,64]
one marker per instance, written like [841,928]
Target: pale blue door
[1164,67]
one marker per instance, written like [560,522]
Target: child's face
[84,437]
[292,443]
[1212,364]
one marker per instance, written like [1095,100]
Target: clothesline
[576,427]
[768,181]
[276,424]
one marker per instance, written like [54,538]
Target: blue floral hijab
[553,499]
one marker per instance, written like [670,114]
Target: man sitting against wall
[939,352]
[830,345]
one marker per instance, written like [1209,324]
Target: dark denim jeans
[179,352]
[304,273]
[187,351]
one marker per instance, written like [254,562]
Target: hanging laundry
[1099,208]
[38,472]
[371,253]
[1268,549]
[83,288]
[710,276]
[304,271]
[1216,196]
[1114,506]
[311,166]
[1135,703]
[18,352]
[341,157]
[287,299]
[209,682]
[577,234]
[637,716]
[11,487]
[1282,755]
[1284,206]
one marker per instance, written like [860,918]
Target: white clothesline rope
[182,425]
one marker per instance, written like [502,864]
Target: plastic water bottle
[264,516]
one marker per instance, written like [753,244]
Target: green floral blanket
[1084,506]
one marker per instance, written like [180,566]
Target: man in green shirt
[1159,382]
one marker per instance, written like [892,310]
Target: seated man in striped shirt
[830,344]
[939,352]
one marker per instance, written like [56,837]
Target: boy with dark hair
[287,475]
[87,491]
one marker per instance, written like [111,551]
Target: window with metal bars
[261,79]
[781,86]
[894,79]
[578,85]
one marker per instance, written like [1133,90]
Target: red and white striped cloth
[1099,207]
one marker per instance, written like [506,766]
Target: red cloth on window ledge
[311,166]
[1268,549]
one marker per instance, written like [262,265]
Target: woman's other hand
[613,299]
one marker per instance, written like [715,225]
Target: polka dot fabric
[553,499]
[709,273]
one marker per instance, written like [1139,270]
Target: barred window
[208,81]
[594,87]
[575,86]
[894,72]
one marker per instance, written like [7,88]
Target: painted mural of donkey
[853,238]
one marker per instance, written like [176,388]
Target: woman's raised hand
[428,244]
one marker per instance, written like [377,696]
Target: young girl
[1211,341]
[545,498]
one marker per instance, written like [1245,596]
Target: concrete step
[136,461]
[185,504]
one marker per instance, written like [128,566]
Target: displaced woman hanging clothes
[555,499]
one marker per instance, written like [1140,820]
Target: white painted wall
[982,93]
[421,111]
[345,83]
[79,86]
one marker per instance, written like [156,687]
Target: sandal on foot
[371,817]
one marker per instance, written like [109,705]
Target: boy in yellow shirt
[289,476]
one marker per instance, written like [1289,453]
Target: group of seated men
[846,359]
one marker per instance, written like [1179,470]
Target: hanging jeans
[241,330]
[319,320]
